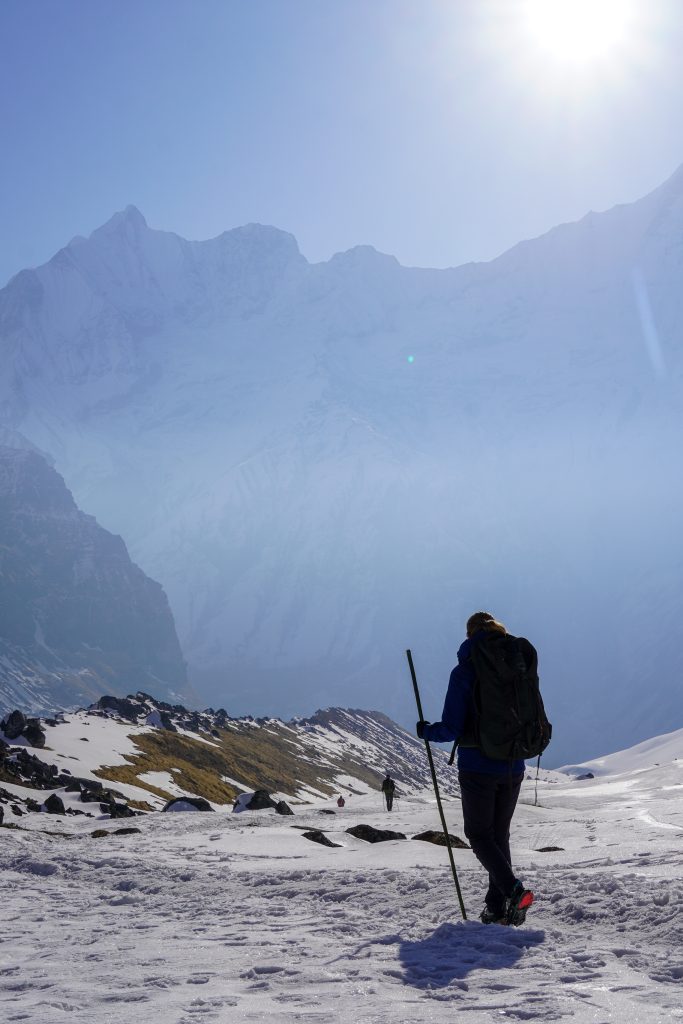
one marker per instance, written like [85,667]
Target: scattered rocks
[374,835]
[115,810]
[316,836]
[100,833]
[439,839]
[188,803]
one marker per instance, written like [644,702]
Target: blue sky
[432,129]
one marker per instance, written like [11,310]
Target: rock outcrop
[79,618]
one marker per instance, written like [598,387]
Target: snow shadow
[453,950]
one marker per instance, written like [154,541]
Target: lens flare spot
[411,359]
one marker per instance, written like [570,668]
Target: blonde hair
[484,620]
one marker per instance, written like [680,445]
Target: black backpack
[508,718]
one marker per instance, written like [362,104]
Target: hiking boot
[517,905]
[489,916]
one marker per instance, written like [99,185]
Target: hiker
[389,788]
[489,787]
[341,801]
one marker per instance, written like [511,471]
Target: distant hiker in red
[341,801]
[389,788]
[491,666]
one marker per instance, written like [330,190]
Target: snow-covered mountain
[78,619]
[145,752]
[324,464]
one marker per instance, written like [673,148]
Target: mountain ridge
[146,751]
[310,457]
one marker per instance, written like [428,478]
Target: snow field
[217,917]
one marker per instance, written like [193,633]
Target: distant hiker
[389,788]
[494,712]
[341,801]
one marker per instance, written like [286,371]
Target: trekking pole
[436,789]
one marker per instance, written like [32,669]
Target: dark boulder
[588,775]
[316,836]
[126,831]
[283,808]
[550,849]
[374,835]
[439,839]
[32,805]
[54,804]
[13,725]
[34,733]
[260,800]
[188,803]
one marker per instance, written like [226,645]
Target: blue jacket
[454,717]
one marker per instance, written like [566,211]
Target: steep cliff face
[78,617]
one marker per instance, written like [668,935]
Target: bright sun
[579,31]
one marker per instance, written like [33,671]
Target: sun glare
[579,31]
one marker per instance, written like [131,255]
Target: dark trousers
[389,797]
[488,803]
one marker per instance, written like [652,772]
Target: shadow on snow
[453,950]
